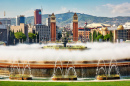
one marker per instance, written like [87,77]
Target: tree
[94,36]
[11,37]
[100,37]
[111,36]
[90,37]
[98,34]
[19,30]
[67,34]
[20,35]
[59,35]
[106,37]
[32,36]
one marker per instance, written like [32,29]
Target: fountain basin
[20,77]
[67,47]
[107,77]
[65,77]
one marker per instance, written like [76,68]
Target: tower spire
[4,13]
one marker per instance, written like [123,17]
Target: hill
[65,18]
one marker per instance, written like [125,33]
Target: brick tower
[53,27]
[75,27]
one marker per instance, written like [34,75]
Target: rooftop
[97,25]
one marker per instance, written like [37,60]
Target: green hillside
[65,18]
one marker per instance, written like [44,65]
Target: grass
[13,83]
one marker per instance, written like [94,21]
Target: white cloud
[61,10]
[28,12]
[123,8]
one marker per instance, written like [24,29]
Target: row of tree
[19,36]
[96,36]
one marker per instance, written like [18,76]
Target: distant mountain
[65,18]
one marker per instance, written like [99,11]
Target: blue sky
[107,8]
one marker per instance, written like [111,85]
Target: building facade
[75,27]
[43,31]
[4,32]
[49,31]
[48,20]
[127,25]
[121,34]
[84,34]
[5,21]
[37,17]
[20,19]
[22,27]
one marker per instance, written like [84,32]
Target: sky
[104,8]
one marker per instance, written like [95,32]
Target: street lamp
[36,38]
[14,41]
[84,32]
[19,40]
[46,40]
[1,35]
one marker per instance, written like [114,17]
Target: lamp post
[28,40]
[46,40]
[14,41]
[1,35]
[36,38]
[84,32]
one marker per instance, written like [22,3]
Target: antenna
[41,14]
[41,9]
[4,13]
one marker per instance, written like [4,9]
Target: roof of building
[52,14]
[97,25]
[104,28]
[127,23]
[75,14]
[112,28]
[5,19]
[120,27]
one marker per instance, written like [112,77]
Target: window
[75,18]
[53,18]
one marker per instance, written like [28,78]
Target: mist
[95,51]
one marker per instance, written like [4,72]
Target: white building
[48,20]
[126,25]
[5,21]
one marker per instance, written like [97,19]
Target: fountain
[65,46]
[30,61]
[107,72]
[64,74]
[20,75]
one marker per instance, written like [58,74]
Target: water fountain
[67,64]
[19,74]
[107,71]
[64,74]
